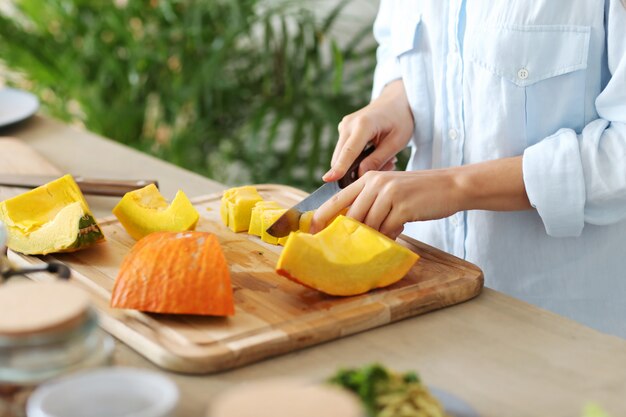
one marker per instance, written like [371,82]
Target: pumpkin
[268,217]
[175,273]
[305,221]
[146,211]
[256,227]
[52,218]
[346,258]
[236,207]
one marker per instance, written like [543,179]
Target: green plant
[240,91]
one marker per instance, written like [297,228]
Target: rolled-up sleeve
[387,68]
[573,179]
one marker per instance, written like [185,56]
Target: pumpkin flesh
[236,207]
[146,211]
[346,258]
[51,218]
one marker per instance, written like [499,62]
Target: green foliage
[238,90]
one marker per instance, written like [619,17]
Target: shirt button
[522,74]
[454,220]
[453,134]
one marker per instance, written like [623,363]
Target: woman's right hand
[387,122]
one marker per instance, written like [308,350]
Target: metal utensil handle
[353,172]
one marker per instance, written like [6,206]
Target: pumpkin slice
[145,211]
[346,258]
[175,273]
[52,218]
[236,207]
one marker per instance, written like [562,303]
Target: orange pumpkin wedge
[175,273]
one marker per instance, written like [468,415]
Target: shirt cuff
[555,184]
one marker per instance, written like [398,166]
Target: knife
[290,220]
[106,187]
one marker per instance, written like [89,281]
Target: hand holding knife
[290,221]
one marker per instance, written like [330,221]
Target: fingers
[344,132]
[393,224]
[390,165]
[378,212]
[350,148]
[394,235]
[385,151]
[338,202]
[361,205]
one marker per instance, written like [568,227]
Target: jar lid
[29,308]
[285,398]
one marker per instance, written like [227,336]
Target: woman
[516,115]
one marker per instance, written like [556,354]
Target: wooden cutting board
[273,315]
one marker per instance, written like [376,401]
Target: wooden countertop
[503,356]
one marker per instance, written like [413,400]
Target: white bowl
[108,392]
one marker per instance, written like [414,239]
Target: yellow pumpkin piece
[268,217]
[346,258]
[236,207]
[305,221]
[146,211]
[52,218]
[255,217]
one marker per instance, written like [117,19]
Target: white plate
[454,406]
[106,392]
[16,105]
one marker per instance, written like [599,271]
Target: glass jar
[27,361]
[41,337]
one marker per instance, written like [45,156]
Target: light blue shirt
[545,79]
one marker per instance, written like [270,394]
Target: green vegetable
[594,410]
[385,393]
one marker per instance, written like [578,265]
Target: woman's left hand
[387,200]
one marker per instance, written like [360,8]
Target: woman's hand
[386,121]
[386,201]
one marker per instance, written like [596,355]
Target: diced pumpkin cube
[268,217]
[305,221]
[236,207]
[256,228]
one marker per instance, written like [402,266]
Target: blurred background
[242,91]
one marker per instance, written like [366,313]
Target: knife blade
[290,220]
[92,186]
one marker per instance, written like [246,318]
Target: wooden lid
[285,398]
[28,308]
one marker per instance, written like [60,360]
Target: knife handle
[353,172]
[112,188]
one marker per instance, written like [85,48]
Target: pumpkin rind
[346,258]
[145,211]
[175,273]
[52,218]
